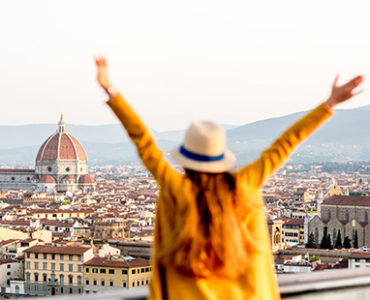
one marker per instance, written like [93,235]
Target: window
[138,283]
[87,270]
[53,266]
[111,271]
[36,277]
[95,270]
[44,277]
[79,280]
[79,268]
[133,283]
[133,271]
[334,236]
[61,278]
[70,290]
[70,268]
[70,279]
[52,278]
[87,281]
[102,271]
[102,282]
[36,265]
[124,284]
[79,258]
[124,272]
[111,282]
[62,257]
[28,276]
[28,265]
[36,255]
[28,255]
[95,281]
[61,266]
[142,270]
[53,256]
[70,257]
[44,266]
[45,256]
[146,269]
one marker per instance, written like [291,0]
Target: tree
[311,243]
[329,245]
[324,241]
[355,240]
[338,242]
[347,242]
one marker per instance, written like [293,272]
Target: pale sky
[234,62]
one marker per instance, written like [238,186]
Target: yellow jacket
[259,281]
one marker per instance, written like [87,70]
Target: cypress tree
[329,246]
[311,243]
[324,240]
[347,242]
[338,242]
[355,240]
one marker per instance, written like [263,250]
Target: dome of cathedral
[61,146]
[47,179]
[86,179]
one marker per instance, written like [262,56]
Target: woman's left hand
[102,77]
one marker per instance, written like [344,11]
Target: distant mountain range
[345,137]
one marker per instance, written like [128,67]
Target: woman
[211,239]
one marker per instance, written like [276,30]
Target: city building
[359,260]
[61,166]
[349,214]
[52,270]
[101,273]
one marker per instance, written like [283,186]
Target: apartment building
[52,270]
[101,273]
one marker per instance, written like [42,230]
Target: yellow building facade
[106,273]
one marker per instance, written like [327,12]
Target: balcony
[341,284]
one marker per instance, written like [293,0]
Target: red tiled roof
[86,179]
[57,250]
[106,262]
[17,171]
[348,200]
[61,145]
[47,179]
[360,255]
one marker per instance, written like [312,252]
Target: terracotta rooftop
[106,262]
[57,250]
[360,255]
[348,200]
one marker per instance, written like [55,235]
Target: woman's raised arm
[273,157]
[151,156]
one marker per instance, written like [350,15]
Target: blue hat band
[200,157]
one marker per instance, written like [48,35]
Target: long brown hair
[212,239]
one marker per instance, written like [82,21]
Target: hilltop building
[61,166]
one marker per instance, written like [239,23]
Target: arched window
[79,280]
[366,218]
[61,279]
[347,216]
[334,236]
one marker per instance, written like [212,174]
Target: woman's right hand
[344,92]
[102,77]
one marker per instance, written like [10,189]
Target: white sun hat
[204,149]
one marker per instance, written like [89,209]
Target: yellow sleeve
[272,158]
[151,156]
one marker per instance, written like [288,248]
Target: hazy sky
[175,61]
